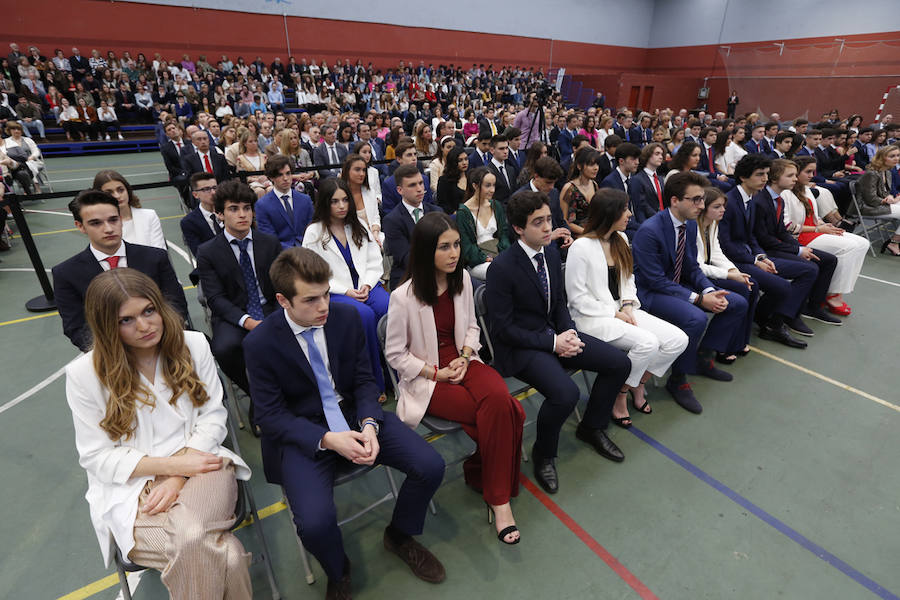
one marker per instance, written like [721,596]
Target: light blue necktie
[333,414]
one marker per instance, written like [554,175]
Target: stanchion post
[47,301]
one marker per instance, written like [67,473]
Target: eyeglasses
[695,199]
[209,188]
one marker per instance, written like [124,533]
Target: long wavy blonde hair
[114,363]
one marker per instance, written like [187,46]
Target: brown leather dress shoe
[340,590]
[420,560]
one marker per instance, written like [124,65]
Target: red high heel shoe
[842,310]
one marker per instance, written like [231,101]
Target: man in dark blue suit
[707,165]
[862,155]
[482,155]
[546,173]
[364,130]
[505,174]
[647,184]
[316,404]
[640,134]
[839,189]
[786,283]
[406,155]
[233,268]
[201,224]
[628,156]
[398,224]
[566,138]
[757,144]
[672,287]
[284,212]
[516,154]
[535,338]
[97,216]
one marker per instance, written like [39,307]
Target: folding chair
[244,508]
[878,221]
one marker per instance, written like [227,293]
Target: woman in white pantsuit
[801,217]
[603,300]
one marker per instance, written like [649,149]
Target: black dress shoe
[780,334]
[545,472]
[821,316]
[597,438]
[707,368]
[340,590]
[799,327]
[683,395]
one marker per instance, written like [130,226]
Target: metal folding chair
[878,221]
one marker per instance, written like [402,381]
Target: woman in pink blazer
[432,343]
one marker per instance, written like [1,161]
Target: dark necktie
[679,255]
[330,405]
[505,178]
[542,276]
[215,223]
[287,208]
[254,308]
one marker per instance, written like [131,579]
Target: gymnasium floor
[782,488]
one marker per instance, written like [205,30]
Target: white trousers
[652,345]
[850,250]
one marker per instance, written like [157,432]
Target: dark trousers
[825,270]
[547,373]
[309,482]
[741,335]
[786,291]
[692,320]
[226,347]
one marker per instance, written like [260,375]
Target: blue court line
[779,525]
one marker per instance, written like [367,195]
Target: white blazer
[412,342]
[372,199]
[591,304]
[112,492]
[719,265]
[794,211]
[144,228]
[366,258]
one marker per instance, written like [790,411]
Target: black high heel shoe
[501,535]
[885,248]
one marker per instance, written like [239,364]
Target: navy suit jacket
[565,144]
[638,137]
[736,230]
[192,164]
[397,226]
[643,194]
[753,148]
[72,277]
[502,189]
[271,217]
[196,229]
[390,197]
[769,229]
[223,281]
[654,260]
[518,316]
[518,160]
[704,158]
[476,161]
[861,156]
[286,401]
[614,181]
[172,159]
[828,161]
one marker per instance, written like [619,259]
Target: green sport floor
[786,486]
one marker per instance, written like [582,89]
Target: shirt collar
[206,213]
[531,185]
[496,162]
[675,222]
[621,174]
[295,328]
[410,208]
[650,172]
[101,256]
[529,251]
[772,192]
[744,195]
[230,237]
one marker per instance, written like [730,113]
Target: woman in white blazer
[146,403]
[722,272]
[139,225]
[801,217]
[603,300]
[365,188]
[432,342]
[336,234]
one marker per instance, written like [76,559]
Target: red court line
[612,562]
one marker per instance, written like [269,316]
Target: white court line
[48,212]
[180,251]
[880,280]
[91,178]
[35,389]
[21,270]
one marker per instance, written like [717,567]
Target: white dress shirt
[676,224]
[531,253]
[237,256]
[101,256]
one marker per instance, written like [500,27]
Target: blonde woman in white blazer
[651,343]
[160,484]
[139,225]
[432,342]
[365,188]
[336,234]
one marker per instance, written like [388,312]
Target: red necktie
[780,203]
[658,191]
[206,163]
[113,261]
[712,166]
[178,144]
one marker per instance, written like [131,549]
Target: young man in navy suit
[284,212]
[316,404]
[756,144]
[786,283]
[566,139]
[504,173]
[608,162]
[516,154]
[546,173]
[641,134]
[96,215]
[234,274]
[406,155]
[481,156]
[628,156]
[398,224]
[201,224]
[647,184]
[535,338]
[672,287]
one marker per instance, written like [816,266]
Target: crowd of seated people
[619,245]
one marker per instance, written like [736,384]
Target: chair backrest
[853,198]
[382,337]
[481,312]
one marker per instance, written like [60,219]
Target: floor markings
[48,212]
[115,168]
[91,178]
[880,280]
[765,517]
[180,252]
[35,317]
[17,236]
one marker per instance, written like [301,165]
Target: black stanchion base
[40,304]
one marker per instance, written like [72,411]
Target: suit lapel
[232,260]
[528,267]
[668,234]
[286,339]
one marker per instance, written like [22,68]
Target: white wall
[571,20]
[699,22]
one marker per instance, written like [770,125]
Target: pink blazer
[412,343]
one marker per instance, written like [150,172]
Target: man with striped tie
[672,287]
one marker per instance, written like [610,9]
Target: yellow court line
[115,168]
[17,236]
[826,379]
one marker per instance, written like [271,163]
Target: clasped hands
[568,344]
[359,447]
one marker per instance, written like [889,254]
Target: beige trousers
[190,543]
